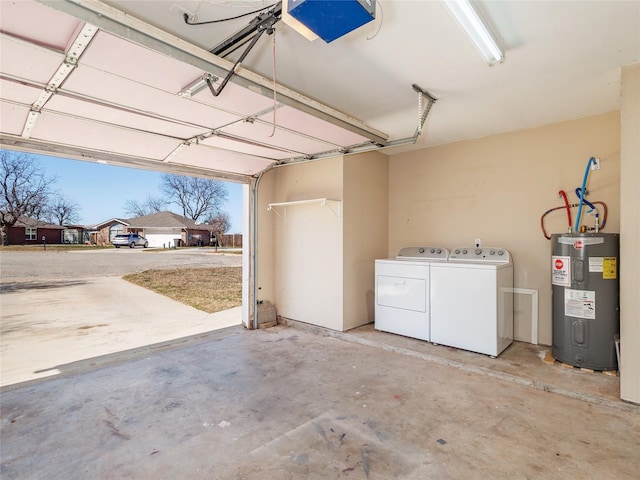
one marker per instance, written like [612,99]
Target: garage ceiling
[117,97]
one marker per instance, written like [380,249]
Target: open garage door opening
[69,295]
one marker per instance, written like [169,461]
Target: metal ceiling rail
[125,26]
[423,113]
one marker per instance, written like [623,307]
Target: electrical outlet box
[191,16]
[595,164]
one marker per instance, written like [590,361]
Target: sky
[101,191]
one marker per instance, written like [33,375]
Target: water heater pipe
[563,194]
[582,192]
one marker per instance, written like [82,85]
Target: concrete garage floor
[294,403]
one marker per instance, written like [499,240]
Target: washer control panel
[423,253]
[476,254]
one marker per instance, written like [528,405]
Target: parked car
[131,239]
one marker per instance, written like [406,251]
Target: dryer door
[402,299]
[402,292]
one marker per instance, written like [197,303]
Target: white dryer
[402,291]
[472,300]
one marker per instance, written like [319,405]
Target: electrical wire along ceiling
[74,84]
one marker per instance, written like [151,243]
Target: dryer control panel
[477,254]
[423,253]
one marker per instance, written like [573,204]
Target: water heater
[585,288]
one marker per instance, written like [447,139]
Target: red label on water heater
[578,244]
[559,264]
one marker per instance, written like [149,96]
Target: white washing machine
[402,291]
[472,300]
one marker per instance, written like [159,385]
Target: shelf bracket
[334,206]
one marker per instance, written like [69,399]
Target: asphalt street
[55,264]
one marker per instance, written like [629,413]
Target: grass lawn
[207,289]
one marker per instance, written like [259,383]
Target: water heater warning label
[606,265]
[580,303]
[609,268]
[561,271]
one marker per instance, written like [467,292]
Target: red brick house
[103,233]
[162,229]
[29,231]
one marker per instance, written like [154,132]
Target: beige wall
[496,189]
[306,243]
[366,201]
[630,236]
[316,263]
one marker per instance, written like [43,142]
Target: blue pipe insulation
[579,193]
[582,190]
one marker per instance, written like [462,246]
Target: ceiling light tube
[476,30]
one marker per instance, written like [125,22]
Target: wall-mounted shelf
[334,205]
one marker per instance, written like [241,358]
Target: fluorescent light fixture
[196,86]
[470,21]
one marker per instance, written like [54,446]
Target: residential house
[30,231]
[104,232]
[161,229]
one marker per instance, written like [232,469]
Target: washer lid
[480,255]
[423,253]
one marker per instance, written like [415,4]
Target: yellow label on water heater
[609,268]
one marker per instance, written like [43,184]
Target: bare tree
[62,211]
[25,190]
[197,197]
[220,223]
[149,206]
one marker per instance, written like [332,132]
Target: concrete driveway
[58,308]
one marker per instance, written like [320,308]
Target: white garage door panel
[160,239]
[58,128]
[13,117]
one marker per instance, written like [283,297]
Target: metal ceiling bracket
[423,111]
[215,92]
[261,24]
